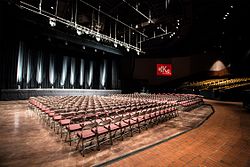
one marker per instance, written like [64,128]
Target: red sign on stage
[164,69]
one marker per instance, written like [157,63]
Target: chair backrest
[105,122]
[91,125]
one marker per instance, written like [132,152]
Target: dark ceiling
[202,26]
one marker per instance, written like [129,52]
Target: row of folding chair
[98,119]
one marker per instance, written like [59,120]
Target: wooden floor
[223,140]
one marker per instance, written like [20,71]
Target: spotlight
[52,22]
[127,49]
[138,53]
[98,37]
[87,32]
[83,47]
[115,44]
[232,6]
[95,50]
[79,31]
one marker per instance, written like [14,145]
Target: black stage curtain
[32,66]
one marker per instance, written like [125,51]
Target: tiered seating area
[92,121]
[218,84]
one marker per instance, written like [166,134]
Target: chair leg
[83,148]
[78,143]
[97,143]
[69,138]
[110,137]
[131,130]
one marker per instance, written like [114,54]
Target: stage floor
[25,141]
[23,94]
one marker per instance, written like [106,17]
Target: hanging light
[79,31]
[86,31]
[98,37]
[138,53]
[52,22]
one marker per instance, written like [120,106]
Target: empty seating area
[218,84]
[89,122]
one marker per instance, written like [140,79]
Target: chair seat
[57,118]
[46,111]
[132,121]
[65,122]
[124,124]
[74,127]
[114,127]
[101,130]
[85,134]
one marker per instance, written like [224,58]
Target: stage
[22,94]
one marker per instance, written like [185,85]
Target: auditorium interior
[124,83]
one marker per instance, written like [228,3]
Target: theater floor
[223,140]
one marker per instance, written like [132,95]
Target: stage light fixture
[52,22]
[79,31]
[98,37]
[94,33]
[87,32]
